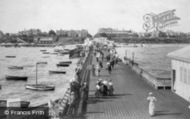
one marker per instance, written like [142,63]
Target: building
[30,32]
[61,32]
[44,40]
[117,33]
[180,70]
[82,33]
[1,34]
[72,33]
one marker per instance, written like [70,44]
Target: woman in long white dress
[152,101]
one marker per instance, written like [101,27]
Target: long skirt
[151,108]
[97,72]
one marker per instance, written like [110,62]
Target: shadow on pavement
[160,113]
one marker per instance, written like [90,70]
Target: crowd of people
[104,88]
[108,55]
[111,59]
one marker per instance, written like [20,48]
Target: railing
[157,82]
[83,77]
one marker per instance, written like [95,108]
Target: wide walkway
[129,100]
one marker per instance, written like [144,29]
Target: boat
[40,87]
[15,67]
[58,48]
[43,50]
[24,78]
[54,53]
[45,56]
[63,65]
[10,56]
[23,104]
[65,51]
[57,72]
[65,62]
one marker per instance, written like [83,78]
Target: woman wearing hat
[152,101]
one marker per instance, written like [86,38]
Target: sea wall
[163,83]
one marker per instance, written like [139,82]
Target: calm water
[28,57]
[152,58]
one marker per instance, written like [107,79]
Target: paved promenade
[129,100]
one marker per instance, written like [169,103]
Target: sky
[17,15]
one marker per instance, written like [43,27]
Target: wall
[182,83]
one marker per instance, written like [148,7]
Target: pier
[130,98]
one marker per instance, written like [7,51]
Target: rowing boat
[23,78]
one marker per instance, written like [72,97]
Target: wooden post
[126,53]
[36,73]
[133,56]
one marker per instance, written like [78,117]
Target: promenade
[130,98]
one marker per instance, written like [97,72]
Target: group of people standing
[104,88]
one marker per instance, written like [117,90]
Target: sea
[28,57]
[151,57]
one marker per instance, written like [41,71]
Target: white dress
[151,105]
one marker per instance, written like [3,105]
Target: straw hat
[150,93]
[100,79]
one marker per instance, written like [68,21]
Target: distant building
[61,32]
[141,34]
[44,40]
[30,32]
[180,70]
[82,33]
[1,34]
[117,33]
[72,33]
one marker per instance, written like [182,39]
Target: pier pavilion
[180,70]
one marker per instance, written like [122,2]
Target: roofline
[179,58]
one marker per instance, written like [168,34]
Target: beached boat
[23,104]
[57,72]
[65,62]
[10,56]
[63,65]
[40,87]
[24,78]
[15,67]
